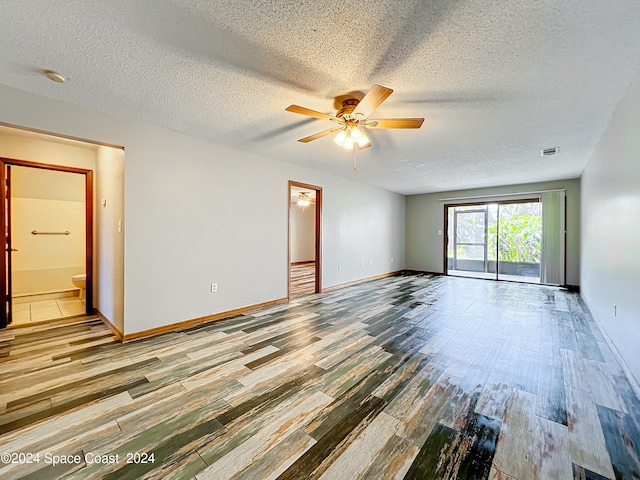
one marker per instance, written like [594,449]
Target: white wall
[109,281]
[35,148]
[611,229]
[182,233]
[29,182]
[303,233]
[366,233]
[425,218]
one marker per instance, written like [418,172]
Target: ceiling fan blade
[394,123]
[319,135]
[372,100]
[308,112]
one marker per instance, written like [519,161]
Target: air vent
[549,151]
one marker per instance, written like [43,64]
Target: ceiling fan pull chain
[354,158]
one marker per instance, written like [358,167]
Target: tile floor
[39,311]
[408,377]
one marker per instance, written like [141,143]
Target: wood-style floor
[303,278]
[412,376]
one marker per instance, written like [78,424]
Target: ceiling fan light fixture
[304,200]
[350,136]
[359,137]
[340,137]
[348,143]
[363,142]
[356,134]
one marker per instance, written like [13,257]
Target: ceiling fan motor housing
[348,106]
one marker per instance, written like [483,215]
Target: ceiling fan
[304,200]
[354,116]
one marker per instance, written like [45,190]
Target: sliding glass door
[500,241]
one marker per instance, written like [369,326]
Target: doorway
[497,241]
[304,258]
[47,268]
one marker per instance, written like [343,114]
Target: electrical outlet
[214,287]
[370,262]
[362,263]
[391,259]
[339,267]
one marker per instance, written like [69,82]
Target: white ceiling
[496,80]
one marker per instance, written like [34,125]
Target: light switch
[439,232]
[103,202]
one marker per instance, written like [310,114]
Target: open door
[6,268]
[304,257]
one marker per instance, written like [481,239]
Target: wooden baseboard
[197,321]
[116,332]
[362,280]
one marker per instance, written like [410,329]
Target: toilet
[80,281]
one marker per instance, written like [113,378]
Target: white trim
[501,195]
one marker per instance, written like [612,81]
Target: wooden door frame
[318,234]
[88,191]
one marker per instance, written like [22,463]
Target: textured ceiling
[496,80]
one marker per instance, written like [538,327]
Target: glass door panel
[519,241]
[467,241]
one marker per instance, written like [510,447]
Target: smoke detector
[55,76]
[546,152]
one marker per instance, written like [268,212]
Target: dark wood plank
[622,437]
[552,401]
[580,473]
[448,453]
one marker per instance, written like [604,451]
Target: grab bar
[35,232]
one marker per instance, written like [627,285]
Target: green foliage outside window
[520,239]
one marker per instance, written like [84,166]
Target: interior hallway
[411,376]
